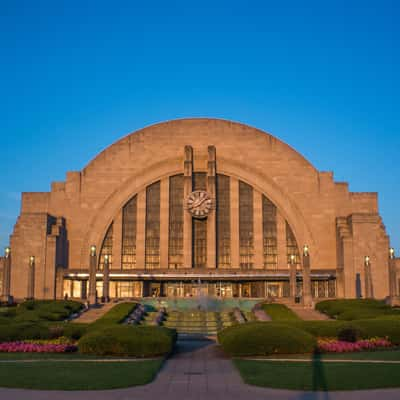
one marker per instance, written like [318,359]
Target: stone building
[200,207]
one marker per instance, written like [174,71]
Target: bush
[319,328]
[147,341]
[349,334]
[46,310]
[115,316]
[265,338]
[389,327]
[279,312]
[352,309]
[22,331]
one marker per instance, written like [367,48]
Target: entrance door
[273,289]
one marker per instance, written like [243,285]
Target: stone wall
[311,201]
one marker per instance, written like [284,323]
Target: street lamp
[391,253]
[367,260]
[292,259]
[92,250]
[32,261]
[7,252]
[306,251]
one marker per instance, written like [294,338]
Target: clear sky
[321,75]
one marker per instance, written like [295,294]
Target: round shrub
[148,341]
[265,338]
[349,334]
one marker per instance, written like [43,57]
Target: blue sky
[77,75]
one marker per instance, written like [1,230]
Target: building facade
[199,207]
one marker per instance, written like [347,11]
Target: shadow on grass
[319,384]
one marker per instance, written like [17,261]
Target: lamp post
[394,298]
[7,276]
[368,278]
[92,275]
[307,298]
[31,278]
[106,278]
[292,277]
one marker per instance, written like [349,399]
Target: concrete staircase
[94,313]
[306,313]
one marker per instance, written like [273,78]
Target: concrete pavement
[197,371]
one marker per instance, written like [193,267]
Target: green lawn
[77,375]
[380,355]
[319,376]
[280,312]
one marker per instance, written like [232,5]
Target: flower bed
[24,347]
[339,346]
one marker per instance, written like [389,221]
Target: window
[175,244]
[107,248]
[270,242]
[223,222]
[291,245]
[129,213]
[246,240]
[152,255]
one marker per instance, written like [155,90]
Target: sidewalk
[197,371]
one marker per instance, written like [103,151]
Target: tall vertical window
[223,222]
[291,245]
[152,254]
[270,242]
[107,247]
[175,245]
[246,239]
[129,213]
[199,227]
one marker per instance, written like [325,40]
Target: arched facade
[200,206]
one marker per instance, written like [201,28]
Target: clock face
[199,203]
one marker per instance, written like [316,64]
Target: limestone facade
[122,203]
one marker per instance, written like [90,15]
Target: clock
[199,204]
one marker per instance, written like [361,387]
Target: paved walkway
[308,314]
[94,313]
[198,371]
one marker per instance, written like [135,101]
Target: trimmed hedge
[354,309]
[45,310]
[146,341]
[23,331]
[265,338]
[280,312]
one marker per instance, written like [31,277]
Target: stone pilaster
[141,230]
[211,222]
[234,196]
[307,297]
[92,275]
[6,276]
[164,222]
[258,230]
[293,279]
[369,292]
[187,218]
[31,279]
[106,279]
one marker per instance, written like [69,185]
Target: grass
[279,312]
[354,309]
[379,355]
[77,375]
[319,376]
